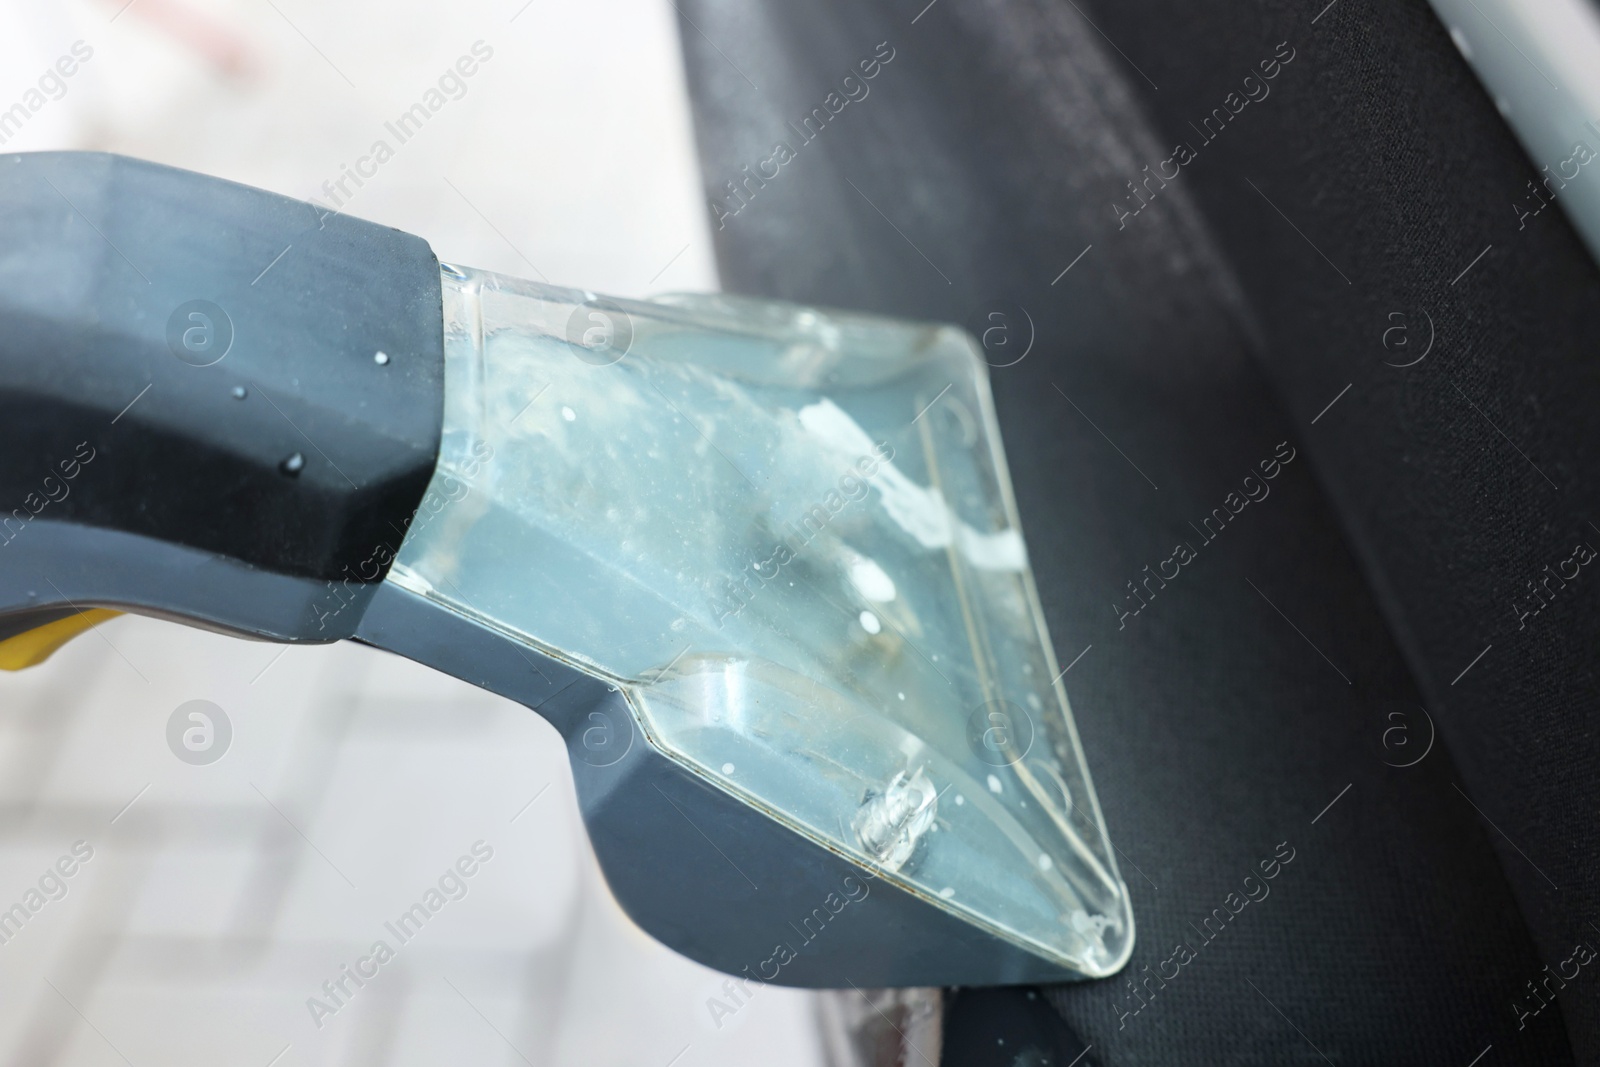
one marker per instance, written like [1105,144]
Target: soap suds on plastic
[919,511]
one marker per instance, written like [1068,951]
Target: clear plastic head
[789,536]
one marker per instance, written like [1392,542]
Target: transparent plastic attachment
[789,536]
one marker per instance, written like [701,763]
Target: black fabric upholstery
[1459,480]
[1287,666]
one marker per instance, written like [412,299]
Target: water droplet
[870,623]
[994,784]
[568,414]
[902,696]
[381,359]
[1044,862]
[871,581]
[961,801]
[947,892]
[293,465]
[239,392]
[727,768]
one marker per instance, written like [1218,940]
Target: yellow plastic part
[37,645]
